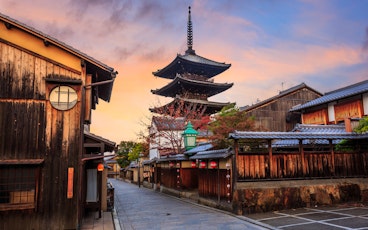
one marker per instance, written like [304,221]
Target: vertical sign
[70,183]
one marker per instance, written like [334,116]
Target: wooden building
[47,91]
[336,106]
[305,166]
[273,113]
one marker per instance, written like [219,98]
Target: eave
[181,85]
[194,64]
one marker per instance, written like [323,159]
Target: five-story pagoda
[192,84]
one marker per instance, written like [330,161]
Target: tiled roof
[194,64]
[168,123]
[355,89]
[295,142]
[55,41]
[199,148]
[182,85]
[199,59]
[307,128]
[280,95]
[212,154]
[177,157]
[306,132]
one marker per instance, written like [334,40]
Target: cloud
[365,44]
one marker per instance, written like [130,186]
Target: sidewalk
[106,222]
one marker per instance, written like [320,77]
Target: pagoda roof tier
[193,64]
[180,85]
[191,108]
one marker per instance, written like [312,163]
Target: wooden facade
[303,162]
[41,143]
[336,106]
[209,174]
[273,114]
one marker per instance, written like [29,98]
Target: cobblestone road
[141,208]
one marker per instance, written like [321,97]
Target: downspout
[113,75]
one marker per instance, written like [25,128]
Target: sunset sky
[271,45]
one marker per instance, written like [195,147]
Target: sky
[272,45]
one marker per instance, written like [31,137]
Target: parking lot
[346,216]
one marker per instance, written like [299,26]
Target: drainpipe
[113,75]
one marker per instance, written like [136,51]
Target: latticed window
[18,186]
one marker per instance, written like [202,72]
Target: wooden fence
[303,164]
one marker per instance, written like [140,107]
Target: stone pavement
[142,208]
[92,221]
[343,216]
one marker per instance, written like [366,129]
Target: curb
[115,220]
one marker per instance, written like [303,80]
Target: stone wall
[253,197]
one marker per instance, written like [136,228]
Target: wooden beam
[270,163]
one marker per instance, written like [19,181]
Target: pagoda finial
[189,35]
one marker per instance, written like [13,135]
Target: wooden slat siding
[189,178]
[279,108]
[242,163]
[349,109]
[28,118]
[262,168]
[168,177]
[256,165]
[317,165]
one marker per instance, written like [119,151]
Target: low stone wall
[253,197]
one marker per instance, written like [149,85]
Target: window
[18,186]
[63,97]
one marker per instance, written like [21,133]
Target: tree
[227,121]
[138,148]
[350,145]
[124,148]
[363,126]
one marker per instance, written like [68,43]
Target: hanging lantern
[194,164]
[213,164]
[190,136]
[100,167]
[202,165]
[171,164]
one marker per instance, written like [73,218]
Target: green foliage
[363,126]
[129,151]
[227,121]
[125,147]
[350,145]
[134,153]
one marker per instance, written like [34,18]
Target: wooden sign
[70,183]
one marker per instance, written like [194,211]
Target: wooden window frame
[19,190]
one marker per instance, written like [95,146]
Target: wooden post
[301,151]
[332,157]
[218,181]
[270,163]
[235,164]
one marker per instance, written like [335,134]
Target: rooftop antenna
[190,34]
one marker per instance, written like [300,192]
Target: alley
[141,208]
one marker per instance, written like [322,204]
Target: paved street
[141,208]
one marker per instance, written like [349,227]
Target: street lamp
[139,170]
[190,136]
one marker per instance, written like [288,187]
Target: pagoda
[192,83]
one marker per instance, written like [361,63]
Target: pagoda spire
[190,34]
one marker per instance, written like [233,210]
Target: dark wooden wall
[211,182]
[31,129]
[274,116]
[168,177]
[295,165]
